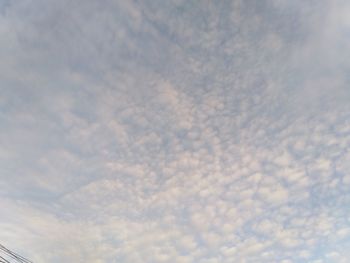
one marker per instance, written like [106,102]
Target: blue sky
[175,131]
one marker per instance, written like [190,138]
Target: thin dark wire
[13,255]
[8,253]
[18,259]
[3,260]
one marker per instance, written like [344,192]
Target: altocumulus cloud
[175,131]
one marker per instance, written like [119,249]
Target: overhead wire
[3,260]
[11,254]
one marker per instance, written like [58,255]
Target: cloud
[174,131]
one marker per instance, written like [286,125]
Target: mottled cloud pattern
[175,131]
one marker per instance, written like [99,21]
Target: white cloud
[172,131]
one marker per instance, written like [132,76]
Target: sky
[175,131]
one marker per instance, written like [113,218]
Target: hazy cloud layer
[175,131]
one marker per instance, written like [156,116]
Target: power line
[3,260]
[8,256]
